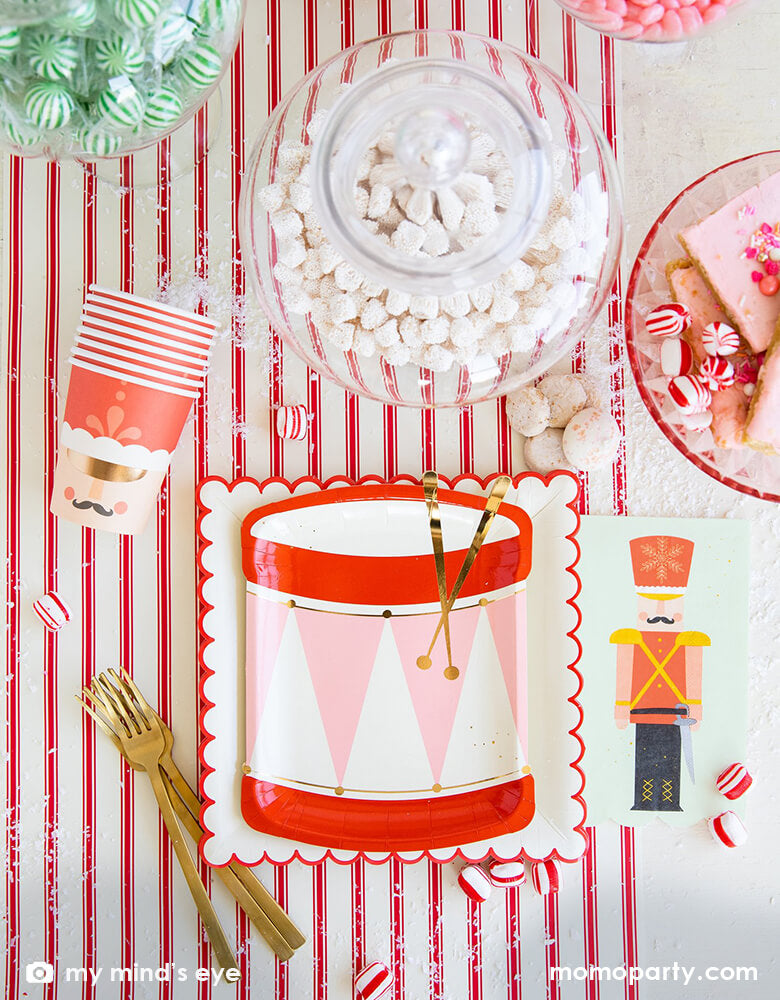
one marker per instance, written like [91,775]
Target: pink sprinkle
[756,276]
[751,253]
[766,229]
[772,267]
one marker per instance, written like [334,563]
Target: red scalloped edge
[205,672]
[633,353]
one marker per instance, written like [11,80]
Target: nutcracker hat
[137,366]
[661,565]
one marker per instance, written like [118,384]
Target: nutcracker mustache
[98,508]
[660,618]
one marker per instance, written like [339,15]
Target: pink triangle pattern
[435,698]
[265,622]
[340,654]
[508,624]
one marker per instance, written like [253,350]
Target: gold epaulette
[627,636]
[693,639]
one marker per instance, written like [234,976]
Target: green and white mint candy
[120,103]
[54,57]
[175,30]
[201,65]
[99,141]
[137,13]
[118,56]
[10,37]
[163,108]
[79,18]
[48,105]
[217,15]
[20,135]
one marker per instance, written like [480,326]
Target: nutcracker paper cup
[350,743]
[136,367]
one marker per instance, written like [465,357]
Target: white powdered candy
[528,411]
[567,396]
[590,439]
[544,452]
[532,302]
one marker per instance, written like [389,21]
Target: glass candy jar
[101,78]
[431,218]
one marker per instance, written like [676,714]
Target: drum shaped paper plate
[347,746]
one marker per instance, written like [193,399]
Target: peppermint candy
[690,394]
[728,828]
[137,13]
[79,18]
[292,422]
[734,781]
[99,141]
[118,56]
[717,373]
[373,982]
[54,57]
[21,136]
[120,103]
[163,108]
[676,356]
[668,320]
[52,611]
[201,65]
[720,339]
[475,883]
[48,105]
[10,38]
[506,873]
[175,30]
[546,876]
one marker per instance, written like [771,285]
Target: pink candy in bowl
[649,20]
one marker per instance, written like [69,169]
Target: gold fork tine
[121,705]
[100,722]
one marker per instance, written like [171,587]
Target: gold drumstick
[431,486]
[497,494]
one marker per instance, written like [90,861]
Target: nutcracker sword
[684,721]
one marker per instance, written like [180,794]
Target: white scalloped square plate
[554,745]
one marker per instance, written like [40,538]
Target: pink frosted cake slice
[763,426]
[717,245]
[729,406]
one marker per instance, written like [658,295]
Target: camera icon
[39,972]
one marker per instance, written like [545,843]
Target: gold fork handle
[244,892]
[214,931]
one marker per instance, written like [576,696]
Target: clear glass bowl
[742,469]
[92,79]
[431,218]
[651,21]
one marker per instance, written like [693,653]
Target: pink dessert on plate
[737,251]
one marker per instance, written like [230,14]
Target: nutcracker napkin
[664,633]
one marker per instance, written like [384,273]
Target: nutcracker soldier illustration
[659,672]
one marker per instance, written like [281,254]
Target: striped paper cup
[137,366]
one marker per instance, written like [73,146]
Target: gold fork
[257,902]
[143,742]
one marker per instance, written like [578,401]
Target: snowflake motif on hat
[663,558]
[112,428]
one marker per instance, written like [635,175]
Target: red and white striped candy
[373,982]
[676,356]
[292,422]
[734,781]
[52,610]
[717,373]
[546,876]
[719,339]
[506,873]
[689,394]
[728,828]
[669,320]
[475,883]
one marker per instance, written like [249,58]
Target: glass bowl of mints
[102,78]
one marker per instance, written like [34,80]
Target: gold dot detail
[424,662]
[437,787]
[483,602]
[387,613]
[291,604]
[526,770]
[452,673]
[246,769]
[338,790]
